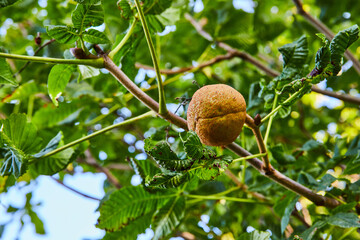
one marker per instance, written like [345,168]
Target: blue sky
[66,215]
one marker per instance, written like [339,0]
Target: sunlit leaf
[19,139]
[87,15]
[95,36]
[58,78]
[6,77]
[62,34]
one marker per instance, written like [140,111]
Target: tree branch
[268,71]
[98,63]
[343,97]
[74,190]
[180,122]
[321,27]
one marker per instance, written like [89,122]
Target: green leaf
[167,180]
[144,168]
[344,208]
[280,156]
[154,24]
[125,9]
[155,7]
[211,168]
[25,90]
[6,77]
[95,36]
[5,3]
[255,235]
[312,145]
[170,16]
[295,54]
[53,164]
[87,15]
[87,72]
[38,223]
[62,34]
[18,139]
[128,61]
[87,1]
[284,111]
[58,78]
[52,145]
[164,156]
[325,182]
[340,43]
[130,231]
[126,204]
[50,116]
[344,220]
[353,166]
[192,144]
[310,232]
[287,213]
[167,218]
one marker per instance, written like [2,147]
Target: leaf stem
[124,40]
[30,106]
[292,97]
[270,120]
[98,63]
[162,103]
[268,169]
[214,197]
[83,47]
[249,157]
[347,233]
[126,122]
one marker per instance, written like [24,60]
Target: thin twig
[186,69]
[321,27]
[268,71]
[36,52]
[90,160]
[268,169]
[74,190]
[119,166]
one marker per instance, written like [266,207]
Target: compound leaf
[62,34]
[127,204]
[167,218]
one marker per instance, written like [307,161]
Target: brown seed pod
[217,114]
